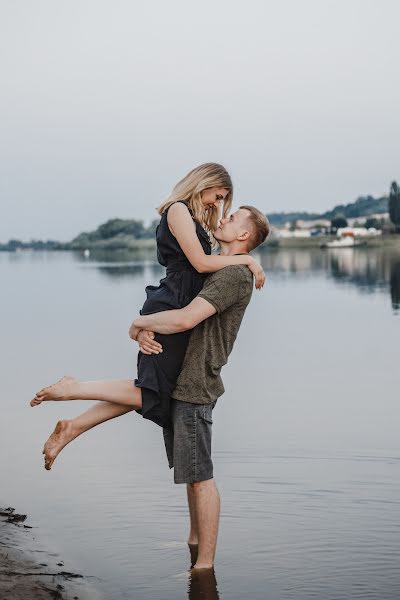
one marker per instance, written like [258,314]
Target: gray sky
[106,104]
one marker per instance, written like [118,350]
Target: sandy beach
[29,571]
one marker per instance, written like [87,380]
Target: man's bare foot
[202,566]
[63,433]
[62,390]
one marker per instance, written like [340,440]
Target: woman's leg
[119,391]
[67,430]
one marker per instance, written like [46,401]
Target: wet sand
[28,571]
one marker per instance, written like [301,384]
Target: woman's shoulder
[178,218]
[179,210]
[179,207]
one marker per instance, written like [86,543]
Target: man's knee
[197,486]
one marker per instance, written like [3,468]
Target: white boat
[344,242]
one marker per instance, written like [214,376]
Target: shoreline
[390,241]
[27,570]
[138,246]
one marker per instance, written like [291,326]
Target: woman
[184,240]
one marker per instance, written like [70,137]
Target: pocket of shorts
[206,413]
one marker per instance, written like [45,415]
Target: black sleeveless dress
[158,373]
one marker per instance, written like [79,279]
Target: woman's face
[214,196]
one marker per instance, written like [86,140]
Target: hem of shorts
[191,480]
[143,385]
[137,384]
[139,411]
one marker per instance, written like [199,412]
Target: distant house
[357,231]
[301,228]
[312,224]
[297,233]
[362,220]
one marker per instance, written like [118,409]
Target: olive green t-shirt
[229,291]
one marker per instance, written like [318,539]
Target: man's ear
[243,236]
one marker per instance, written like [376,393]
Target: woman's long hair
[190,187]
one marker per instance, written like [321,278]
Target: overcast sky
[106,104]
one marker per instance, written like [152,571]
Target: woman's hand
[258,272]
[147,343]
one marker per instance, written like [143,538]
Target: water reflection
[203,585]
[154,272]
[369,270]
[112,256]
[120,264]
[395,285]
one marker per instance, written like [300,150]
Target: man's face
[233,227]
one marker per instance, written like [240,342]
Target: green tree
[14,244]
[115,227]
[373,222]
[338,222]
[394,205]
[151,229]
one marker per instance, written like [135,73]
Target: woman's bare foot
[62,390]
[63,433]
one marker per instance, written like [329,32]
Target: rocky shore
[29,571]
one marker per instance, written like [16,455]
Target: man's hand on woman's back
[147,343]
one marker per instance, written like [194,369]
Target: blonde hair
[189,188]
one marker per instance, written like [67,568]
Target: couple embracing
[185,331]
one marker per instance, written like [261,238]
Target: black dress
[158,373]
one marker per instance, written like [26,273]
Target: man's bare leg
[193,541]
[194,531]
[119,391]
[208,504]
[67,430]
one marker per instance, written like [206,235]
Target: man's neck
[232,248]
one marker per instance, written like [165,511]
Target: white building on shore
[357,231]
[304,229]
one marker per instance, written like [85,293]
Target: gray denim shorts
[188,441]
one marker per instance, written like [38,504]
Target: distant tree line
[363,206]
[13,245]
[393,209]
[371,222]
[122,233]
[115,233]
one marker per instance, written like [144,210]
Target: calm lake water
[305,440]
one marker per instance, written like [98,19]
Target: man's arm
[174,321]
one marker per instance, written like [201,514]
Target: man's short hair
[260,229]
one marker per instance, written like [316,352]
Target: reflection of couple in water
[185,331]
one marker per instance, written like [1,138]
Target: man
[215,314]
